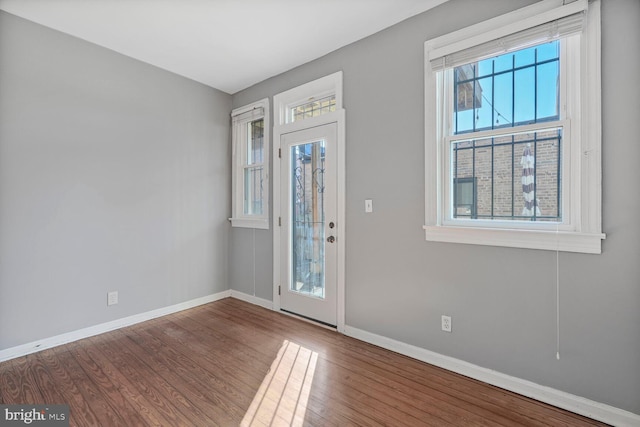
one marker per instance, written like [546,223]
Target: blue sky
[498,98]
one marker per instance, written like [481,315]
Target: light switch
[368,206]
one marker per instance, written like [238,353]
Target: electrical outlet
[112,298]
[446,323]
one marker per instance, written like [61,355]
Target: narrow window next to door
[250,139]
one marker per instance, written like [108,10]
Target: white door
[309,223]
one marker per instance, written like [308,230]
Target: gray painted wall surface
[114,175]
[502,300]
[251,272]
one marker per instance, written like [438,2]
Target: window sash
[564,205]
[483,90]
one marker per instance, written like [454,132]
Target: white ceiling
[227,44]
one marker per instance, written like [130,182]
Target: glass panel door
[309,229]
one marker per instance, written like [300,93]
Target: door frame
[337,117]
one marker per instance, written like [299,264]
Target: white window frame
[241,117]
[581,228]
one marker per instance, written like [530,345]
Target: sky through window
[513,89]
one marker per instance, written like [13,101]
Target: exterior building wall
[497,169]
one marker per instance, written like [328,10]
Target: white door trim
[337,117]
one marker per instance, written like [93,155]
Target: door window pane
[307,219]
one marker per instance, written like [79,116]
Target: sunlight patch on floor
[284,392]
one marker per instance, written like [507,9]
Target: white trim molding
[45,343]
[570,402]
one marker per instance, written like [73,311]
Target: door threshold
[309,320]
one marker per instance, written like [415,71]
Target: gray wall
[114,175]
[502,300]
[251,262]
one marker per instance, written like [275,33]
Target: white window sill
[565,241]
[262,223]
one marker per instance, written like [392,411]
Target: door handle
[331,239]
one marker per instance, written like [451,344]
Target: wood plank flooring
[230,363]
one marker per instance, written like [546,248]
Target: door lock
[331,239]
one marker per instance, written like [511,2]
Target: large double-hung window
[513,130]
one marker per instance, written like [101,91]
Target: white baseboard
[252,299]
[32,347]
[579,405]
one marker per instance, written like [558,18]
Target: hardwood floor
[231,363]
